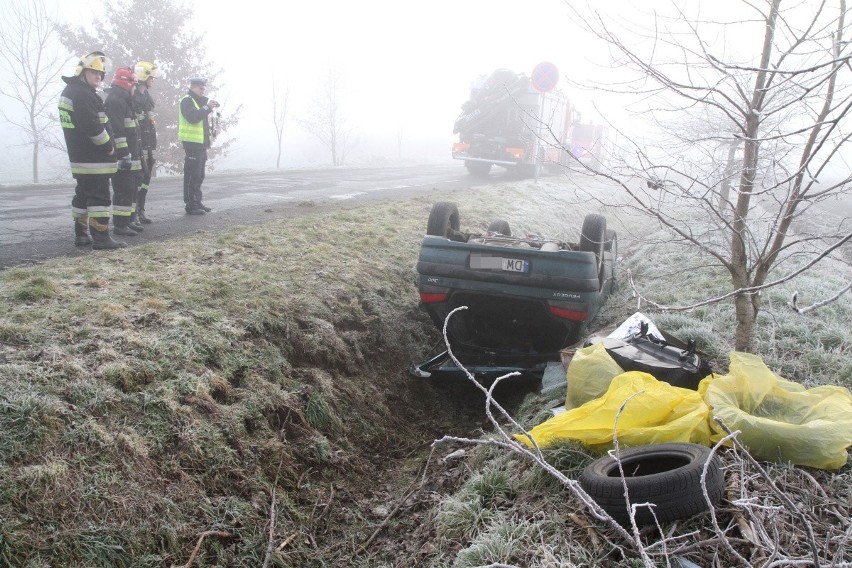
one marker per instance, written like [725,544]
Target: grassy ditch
[250,387]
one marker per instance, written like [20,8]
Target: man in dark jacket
[91,151]
[146,72]
[125,182]
[194,133]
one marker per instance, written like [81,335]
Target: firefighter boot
[100,236]
[121,226]
[140,207]
[133,223]
[81,232]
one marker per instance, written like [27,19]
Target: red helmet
[124,78]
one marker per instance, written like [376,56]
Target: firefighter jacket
[145,117]
[88,134]
[122,116]
[192,122]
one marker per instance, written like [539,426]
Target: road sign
[544,77]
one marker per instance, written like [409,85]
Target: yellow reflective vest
[190,131]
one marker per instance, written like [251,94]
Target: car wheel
[443,219]
[500,226]
[665,475]
[593,238]
[611,246]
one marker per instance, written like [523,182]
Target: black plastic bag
[668,360]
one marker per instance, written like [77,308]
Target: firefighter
[194,133]
[122,116]
[91,151]
[146,72]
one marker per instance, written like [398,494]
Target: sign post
[544,78]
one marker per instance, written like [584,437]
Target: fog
[406,69]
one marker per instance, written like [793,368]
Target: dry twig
[809,531]
[201,538]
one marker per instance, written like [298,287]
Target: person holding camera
[125,182]
[194,134]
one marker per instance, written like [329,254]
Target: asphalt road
[35,221]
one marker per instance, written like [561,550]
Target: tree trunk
[746,311]
[35,161]
[725,189]
[746,304]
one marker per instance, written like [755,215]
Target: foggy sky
[406,67]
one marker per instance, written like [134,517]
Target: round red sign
[544,77]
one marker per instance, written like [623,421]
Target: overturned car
[526,297]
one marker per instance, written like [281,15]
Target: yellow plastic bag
[589,374]
[661,413]
[780,420]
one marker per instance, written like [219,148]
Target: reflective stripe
[130,123]
[99,213]
[103,117]
[78,212]
[122,211]
[66,107]
[187,131]
[121,142]
[143,186]
[136,165]
[100,139]
[65,119]
[87,168]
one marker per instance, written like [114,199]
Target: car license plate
[497,263]
[515,265]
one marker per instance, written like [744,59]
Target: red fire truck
[511,123]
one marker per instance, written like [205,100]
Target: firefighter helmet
[146,70]
[96,61]
[124,78]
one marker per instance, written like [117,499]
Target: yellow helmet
[96,61]
[146,69]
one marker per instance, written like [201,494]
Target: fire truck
[510,123]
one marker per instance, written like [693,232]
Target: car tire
[443,219]
[611,241]
[666,475]
[611,246]
[500,226]
[593,238]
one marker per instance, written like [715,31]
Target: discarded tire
[666,475]
[443,219]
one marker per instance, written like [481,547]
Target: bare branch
[795,306]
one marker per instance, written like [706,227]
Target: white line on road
[343,196]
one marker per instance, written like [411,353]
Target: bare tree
[29,52]
[279,115]
[785,106]
[326,119]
